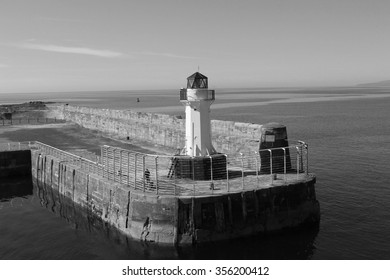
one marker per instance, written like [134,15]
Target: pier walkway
[154,174]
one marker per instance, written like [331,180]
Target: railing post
[143,171]
[156,162]
[128,168]
[270,161]
[211,175]
[298,164]
[257,167]
[242,170]
[284,164]
[193,173]
[175,184]
[135,171]
[227,173]
[120,167]
[113,155]
[307,159]
[108,171]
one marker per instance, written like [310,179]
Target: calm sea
[348,132]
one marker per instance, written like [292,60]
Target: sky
[82,45]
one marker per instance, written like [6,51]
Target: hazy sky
[62,45]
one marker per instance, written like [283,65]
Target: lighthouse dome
[197,80]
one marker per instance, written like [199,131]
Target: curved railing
[156,174]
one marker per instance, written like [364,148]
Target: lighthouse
[197,99]
[199,161]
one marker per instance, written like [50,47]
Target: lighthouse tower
[199,161]
[197,99]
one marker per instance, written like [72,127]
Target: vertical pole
[135,170]
[120,166]
[174,172]
[193,173]
[156,162]
[211,175]
[242,170]
[113,154]
[211,169]
[257,167]
[143,171]
[307,159]
[298,167]
[108,172]
[284,164]
[272,175]
[128,168]
[227,173]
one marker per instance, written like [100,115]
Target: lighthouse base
[200,168]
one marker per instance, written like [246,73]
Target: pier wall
[135,214]
[165,130]
[180,219]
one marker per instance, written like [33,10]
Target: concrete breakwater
[178,219]
[169,131]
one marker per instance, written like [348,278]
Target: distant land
[376,84]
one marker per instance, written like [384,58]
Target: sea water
[348,132]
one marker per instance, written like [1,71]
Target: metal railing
[29,120]
[179,175]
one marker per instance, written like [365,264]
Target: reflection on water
[43,224]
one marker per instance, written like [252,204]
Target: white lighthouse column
[200,161]
[198,128]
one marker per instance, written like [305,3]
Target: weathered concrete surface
[15,164]
[169,131]
[181,220]
[138,215]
